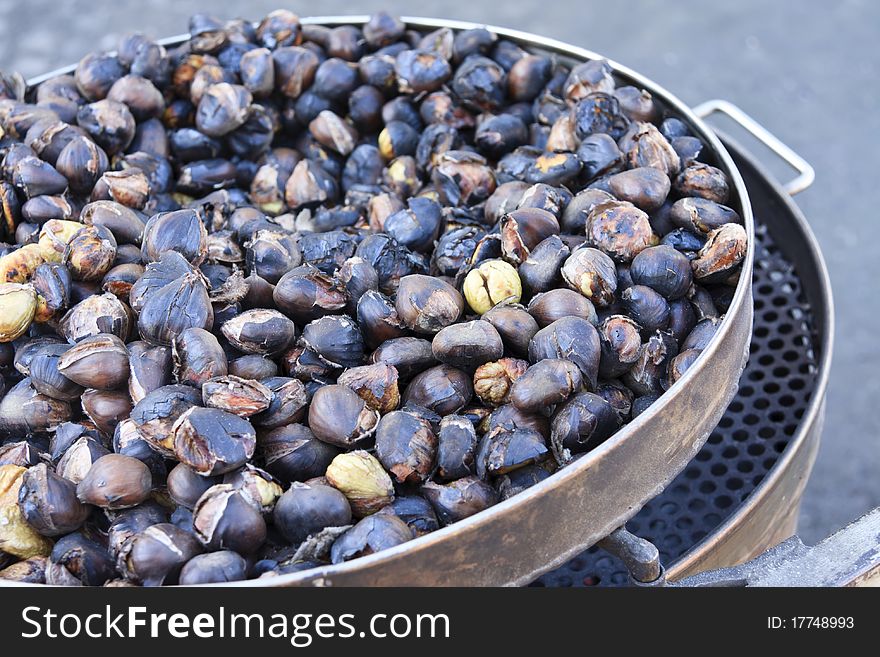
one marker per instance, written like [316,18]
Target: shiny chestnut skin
[292,453]
[115,482]
[306,509]
[547,307]
[468,344]
[570,338]
[427,304]
[155,555]
[338,416]
[408,355]
[442,389]
[372,534]
[459,499]
[406,446]
[546,383]
[515,325]
[664,269]
[213,568]
[646,307]
[583,422]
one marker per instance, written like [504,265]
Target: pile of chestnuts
[286,294]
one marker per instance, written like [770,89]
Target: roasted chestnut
[406,446]
[376,384]
[259,331]
[115,482]
[49,502]
[415,511]
[544,384]
[336,339]
[427,304]
[723,252]
[592,273]
[619,229]
[372,534]
[307,509]
[648,308]
[442,389]
[155,555]
[409,356]
[225,517]
[491,283]
[100,361]
[570,338]
[292,453]
[547,307]
[337,415]
[211,441]
[213,568]
[582,423]
[468,344]
[515,325]
[664,269]
[459,499]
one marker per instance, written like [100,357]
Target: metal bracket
[851,557]
[640,556]
[806,173]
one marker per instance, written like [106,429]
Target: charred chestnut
[49,502]
[154,556]
[723,252]
[582,423]
[406,446]
[259,331]
[372,534]
[376,384]
[442,389]
[241,397]
[702,215]
[619,229]
[620,341]
[416,512]
[664,269]
[704,181]
[336,339]
[468,344]
[225,517]
[546,383]
[570,338]
[460,498]
[292,453]
[337,415]
[211,441]
[214,568]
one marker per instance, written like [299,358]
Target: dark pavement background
[807,70]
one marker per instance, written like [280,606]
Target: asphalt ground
[808,70]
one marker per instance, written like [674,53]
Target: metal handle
[641,557]
[806,173]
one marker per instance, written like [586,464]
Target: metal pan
[517,540]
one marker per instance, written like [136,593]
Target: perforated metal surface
[775,391]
